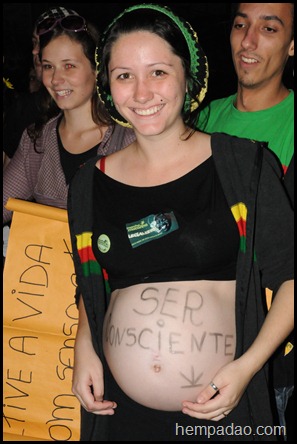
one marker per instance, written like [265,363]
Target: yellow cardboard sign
[40,322]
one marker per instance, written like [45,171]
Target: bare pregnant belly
[164,342]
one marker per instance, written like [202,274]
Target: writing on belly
[154,318]
[175,335]
[174,342]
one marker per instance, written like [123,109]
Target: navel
[157,368]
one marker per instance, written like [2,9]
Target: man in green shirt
[262,46]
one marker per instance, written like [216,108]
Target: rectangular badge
[150,228]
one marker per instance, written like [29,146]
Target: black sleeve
[289,181]
[275,228]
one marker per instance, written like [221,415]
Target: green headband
[198,66]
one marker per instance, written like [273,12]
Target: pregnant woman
[170,238]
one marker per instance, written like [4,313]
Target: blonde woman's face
[67,73]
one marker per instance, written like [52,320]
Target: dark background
[210,20]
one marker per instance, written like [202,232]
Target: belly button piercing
[157,368]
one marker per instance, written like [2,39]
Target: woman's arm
[233,378]
[277,326]
[88,378]
[15,181]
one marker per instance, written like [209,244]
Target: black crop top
[182,230]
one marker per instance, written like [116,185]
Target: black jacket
[250,177]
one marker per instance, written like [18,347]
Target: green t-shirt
[274,125]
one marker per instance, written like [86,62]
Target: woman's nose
[57,77]
[142,92]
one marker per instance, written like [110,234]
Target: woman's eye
[238,25]
[159,73]
[124,76]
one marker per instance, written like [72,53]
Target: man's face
[261,42]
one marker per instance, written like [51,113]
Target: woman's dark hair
[88,40]
[159,24]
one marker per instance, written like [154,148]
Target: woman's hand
[88,378]
[88,383]
[231,381]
